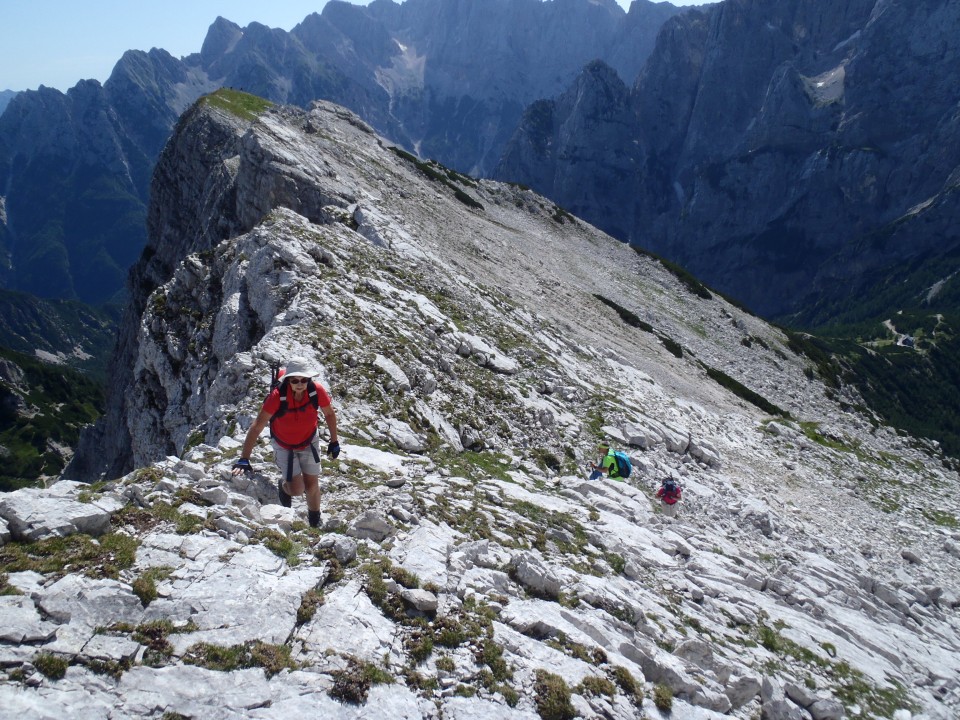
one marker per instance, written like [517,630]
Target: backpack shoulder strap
[313,394]
[284,404]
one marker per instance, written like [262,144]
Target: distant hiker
[669,493]
[292,410]
[612,463]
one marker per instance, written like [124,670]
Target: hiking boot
[285,499]
[313,517]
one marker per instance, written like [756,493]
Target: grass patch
[419,646]
[272,658]
[438,173]
[850,686]
[474,465]
[684,276]
[561,216]
[279,544]
[242,105]
[552,697]
[154,636]
[55,557]
[628,684]
[941,518]
[467,199]
[596,686]
[311,600]
[6,588]
[405,578]
[672,346]
[743,392]
[353,683]
[631,319]
[52,666]
[594,656]
[145,586]
[627,316]
[663,698]
[491,655]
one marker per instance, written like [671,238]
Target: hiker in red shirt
[292,410]
[669,493]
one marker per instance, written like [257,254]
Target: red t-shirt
[297,425]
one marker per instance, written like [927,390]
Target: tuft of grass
[854,689]
[52,666]
[552,696]
[438,173]
[491,655]
[272,658]
[596,686]
[154,636]
[311,600]
[561,216]
[279,544]
[467,199]
[617,562]
[420,647]
[671,345]
[404,577]
[628,684]
[353,683]
[375,586]
[663,697]
[416,681]
[6,588]
[941,518]
[449,632]
[145,586]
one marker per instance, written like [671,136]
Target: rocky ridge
[478,342]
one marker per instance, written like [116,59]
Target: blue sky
[60,42]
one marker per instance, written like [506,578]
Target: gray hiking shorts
[303,460]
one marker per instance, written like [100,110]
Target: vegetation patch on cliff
[243,105]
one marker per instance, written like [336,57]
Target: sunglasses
[298,381]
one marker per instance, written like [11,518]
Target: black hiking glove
[333,449]
[242,465]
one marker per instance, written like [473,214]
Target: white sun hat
[299,367]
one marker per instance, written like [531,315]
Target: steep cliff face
[194,207]
[586,132]
[478,342]
[795,152]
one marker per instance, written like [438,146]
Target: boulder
[371,526]
[531,572]
[34,514]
